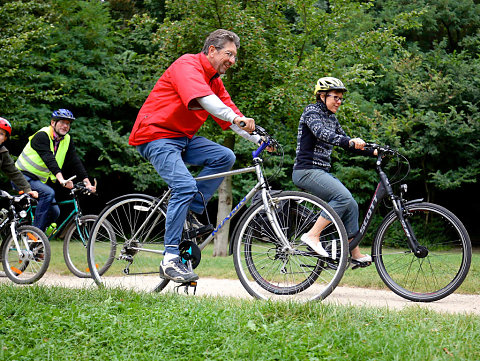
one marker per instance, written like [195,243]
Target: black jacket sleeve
[8,167]
[73,162]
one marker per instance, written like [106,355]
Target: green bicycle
[75,231]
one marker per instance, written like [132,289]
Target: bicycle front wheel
[75,245]
[269,269]
[438,271]
[29,263]
[129,253]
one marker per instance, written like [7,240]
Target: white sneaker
[364,259]
[176,271]
[316,246]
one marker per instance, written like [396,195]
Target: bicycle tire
[34,261]
[75,245]
[124,217]
[430,278]
[267,271]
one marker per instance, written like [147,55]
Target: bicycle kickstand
[187,285]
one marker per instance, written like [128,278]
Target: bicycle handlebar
[381,148]
[81,188]
[267,141]
[17,199]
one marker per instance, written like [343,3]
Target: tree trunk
[220,247]
[225,201]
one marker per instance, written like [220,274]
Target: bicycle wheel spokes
[75,244]
[126,244]
[28,264]
[268,269]
[440,271]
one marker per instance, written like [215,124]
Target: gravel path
[455,303]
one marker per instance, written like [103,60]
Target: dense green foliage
[38,323]
[412,69]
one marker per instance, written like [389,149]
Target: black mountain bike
[421,250]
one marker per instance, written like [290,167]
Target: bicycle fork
[268,205]
[22,255]
[402,214]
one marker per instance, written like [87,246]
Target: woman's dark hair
[219,38]
[319,93]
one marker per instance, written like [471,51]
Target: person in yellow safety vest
[47,153]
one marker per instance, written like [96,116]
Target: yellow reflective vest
[31,161]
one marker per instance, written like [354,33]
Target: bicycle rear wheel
[129,253]
[268,270]
[437,273]
[30,263]
[75,245]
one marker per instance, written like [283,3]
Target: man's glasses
[336,98]
[229,54]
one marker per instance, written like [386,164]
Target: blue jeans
[169,157]
[45,213]
[327,187]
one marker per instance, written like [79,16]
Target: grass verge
[40,323]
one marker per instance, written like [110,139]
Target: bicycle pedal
[198,232]
[356,264]
[187,285]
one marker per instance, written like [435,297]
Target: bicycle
[269,258]
[25,250]
[75,230]
[421,250]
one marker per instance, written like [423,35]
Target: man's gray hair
[219,38]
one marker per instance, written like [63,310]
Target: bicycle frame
[74,216]
[261,185]
[13,230]
[67,221]
[383,190]
[13,219]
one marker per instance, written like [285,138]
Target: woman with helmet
[318,132]
[43,160]
[6,162]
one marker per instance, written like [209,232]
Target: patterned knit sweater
[318,131]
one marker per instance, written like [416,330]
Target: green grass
[222,267]
[40,323]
